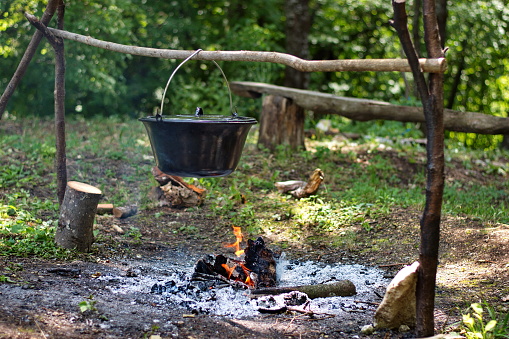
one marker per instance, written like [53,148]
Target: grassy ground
[367,209]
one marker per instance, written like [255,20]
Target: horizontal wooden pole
[364,109]
[351,65]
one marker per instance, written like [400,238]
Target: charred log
[257,270]
[260,260]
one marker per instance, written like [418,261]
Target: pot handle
[160,113]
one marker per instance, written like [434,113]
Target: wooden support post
[281,123]
[77,213]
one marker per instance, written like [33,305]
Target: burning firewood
[174,191]
[302,189]
[257,270]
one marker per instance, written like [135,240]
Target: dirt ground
[42,301]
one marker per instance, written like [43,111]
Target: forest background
[100,82]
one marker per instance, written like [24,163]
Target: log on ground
[342,288]
[365,110]
[77,213]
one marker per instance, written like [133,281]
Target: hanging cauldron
[197,145]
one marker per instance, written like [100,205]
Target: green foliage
[88,305]
[478,324]
[23,234]
[100,82]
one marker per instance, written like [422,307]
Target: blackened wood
[342,288]
[281,123]
[260,260]
[27,56]
[76,222]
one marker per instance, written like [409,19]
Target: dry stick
[27,57]
[380,65]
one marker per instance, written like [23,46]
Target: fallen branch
[380,65]
[342,288]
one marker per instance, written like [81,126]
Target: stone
[367,329]
[398,305]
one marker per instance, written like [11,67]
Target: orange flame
[238,234]
[238,252]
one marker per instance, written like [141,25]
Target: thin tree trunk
[442,14]
[27,57]
[58,46]
[60,157]
[432,100]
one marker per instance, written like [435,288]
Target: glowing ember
[238,234]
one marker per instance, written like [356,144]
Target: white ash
[171,285]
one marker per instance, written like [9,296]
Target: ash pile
[259,280]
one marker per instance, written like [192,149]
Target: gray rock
[398,305]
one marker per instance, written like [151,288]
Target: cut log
[342,288]
[77,213]
[125,211]
[364,109]
[281,123]
[104,209]
[302,189]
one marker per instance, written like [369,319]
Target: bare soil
[42,301]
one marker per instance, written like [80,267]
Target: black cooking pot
[200,145]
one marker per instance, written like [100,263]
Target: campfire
[254,267]
[245,283]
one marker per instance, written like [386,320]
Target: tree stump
[281,123]
[77,213]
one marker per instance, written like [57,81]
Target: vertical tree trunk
[298,24]
[60,157]
[281,121]
[433,103]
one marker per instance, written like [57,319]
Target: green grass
[362,182]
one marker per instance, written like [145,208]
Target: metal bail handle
[160,113]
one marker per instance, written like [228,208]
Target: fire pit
[223,286]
